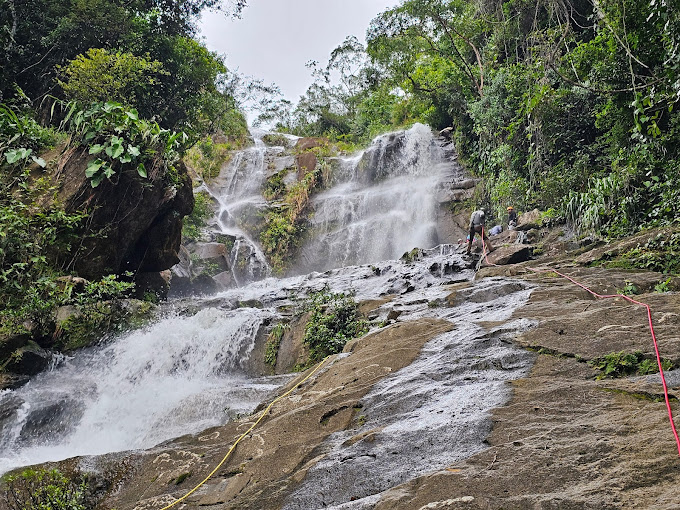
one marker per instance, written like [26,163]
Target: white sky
[274,39]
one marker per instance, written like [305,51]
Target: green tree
[101,76]
[43,490]
[136,35]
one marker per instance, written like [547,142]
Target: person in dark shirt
[512,217]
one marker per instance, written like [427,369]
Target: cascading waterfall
[237,190]
[190,370]
[178,376]
[382,204]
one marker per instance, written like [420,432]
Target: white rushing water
[383,202]
[431,413]
[178,376]
[238,193]
[190,370]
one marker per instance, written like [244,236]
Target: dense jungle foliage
[128,82]
[564,104]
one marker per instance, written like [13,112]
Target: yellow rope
[246,433]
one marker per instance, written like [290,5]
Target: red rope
[627,298]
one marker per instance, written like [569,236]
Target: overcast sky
[274,39]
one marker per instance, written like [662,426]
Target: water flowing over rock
[382,202]
[202,365]
[376,205]
[181,375]
[187,373]
[411,415]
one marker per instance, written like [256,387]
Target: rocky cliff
[134,223]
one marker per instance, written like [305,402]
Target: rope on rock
[264,413]
[627,298]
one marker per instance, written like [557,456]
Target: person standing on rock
[512,217]
[477,226]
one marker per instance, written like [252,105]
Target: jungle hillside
[567,106]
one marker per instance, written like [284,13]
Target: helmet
[509,208]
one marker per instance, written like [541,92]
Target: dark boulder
[511,254]
[29,360]
[134,223]
[381,158]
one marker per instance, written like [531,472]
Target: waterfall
[238,193]
[178,376]
[382,203]
[376,204]
[193,369]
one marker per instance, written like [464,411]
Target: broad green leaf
[22,153]
[96,180]
[108,171]
[126,158]
[39,161]
[109,106]
[133,150]
[93,167]
[132,114]
[141,170]
[12,156]
[117,150]
[96,148]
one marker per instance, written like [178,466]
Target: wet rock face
[410,396]
[568,440]
[377,161]
[49,423]
[529,220]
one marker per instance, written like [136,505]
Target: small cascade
[383,202]
[233,256]
[179,376]
[238,191]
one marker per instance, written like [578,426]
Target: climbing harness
[627,298]
[264,413]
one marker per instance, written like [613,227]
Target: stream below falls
[188,372]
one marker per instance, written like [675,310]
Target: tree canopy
[142,53]
[568,105]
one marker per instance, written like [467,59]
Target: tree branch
[602,91]
[13,31]
[602,15]
[478,85]
[39,61]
